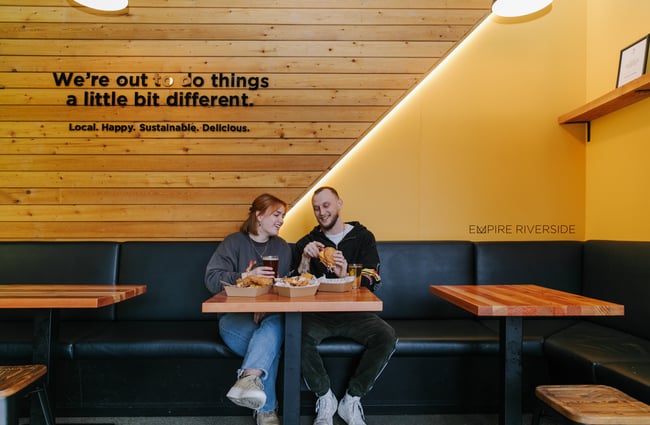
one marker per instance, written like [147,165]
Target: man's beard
[335,219]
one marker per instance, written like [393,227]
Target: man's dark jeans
[367,329]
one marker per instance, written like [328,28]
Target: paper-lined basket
[236,291]
[285,289]
[343,284]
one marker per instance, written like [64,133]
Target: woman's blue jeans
[259,345]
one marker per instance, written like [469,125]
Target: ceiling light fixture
[105,5]
[517,8]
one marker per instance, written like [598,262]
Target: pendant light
[518,8]
[104,5]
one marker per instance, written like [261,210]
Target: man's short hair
[322,188]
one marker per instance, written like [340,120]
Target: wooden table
[511,303]
[48,299]
[356,300]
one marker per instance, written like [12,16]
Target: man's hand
[340,264]
[312,249]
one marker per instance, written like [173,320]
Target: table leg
[292,341]
[45,335]
[510,349]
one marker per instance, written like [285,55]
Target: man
[354,244]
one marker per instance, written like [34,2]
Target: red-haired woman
[256,337]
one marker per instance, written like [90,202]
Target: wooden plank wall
[165,121]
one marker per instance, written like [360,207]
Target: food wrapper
[336,285]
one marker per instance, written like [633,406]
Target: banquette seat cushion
[632,376]
[609,350]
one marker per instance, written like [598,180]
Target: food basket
[236,291]
[336,285]
[286,289]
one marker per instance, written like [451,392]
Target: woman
[257,337]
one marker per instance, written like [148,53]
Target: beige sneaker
[267,418]
[248,392]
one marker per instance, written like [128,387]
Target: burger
[326,257]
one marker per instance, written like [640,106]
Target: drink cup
[271,261]
[355,270]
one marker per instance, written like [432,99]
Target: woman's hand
[262,271]
[257,317]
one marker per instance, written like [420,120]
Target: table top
[523,300]
[355,300]
[14,379]
[594,404]
[65,295]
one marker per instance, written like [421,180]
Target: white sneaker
[248,392]
[325,409]
[350,410]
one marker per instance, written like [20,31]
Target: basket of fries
[297,286]
[250,286]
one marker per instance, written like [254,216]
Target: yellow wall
[478,143]
[618,156]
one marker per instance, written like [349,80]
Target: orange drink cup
[355,270]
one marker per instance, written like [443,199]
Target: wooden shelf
[623,96]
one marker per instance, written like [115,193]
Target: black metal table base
[291,394]
[46,326]
[510,349]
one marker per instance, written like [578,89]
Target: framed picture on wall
[633,62]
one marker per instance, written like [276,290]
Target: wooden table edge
[605,308]
[268,303]
[69,296]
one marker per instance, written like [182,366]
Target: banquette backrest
[60,262]
[618,272]
[408,268]
[553,264]
[173,273]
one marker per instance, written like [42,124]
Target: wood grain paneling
[164,121]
